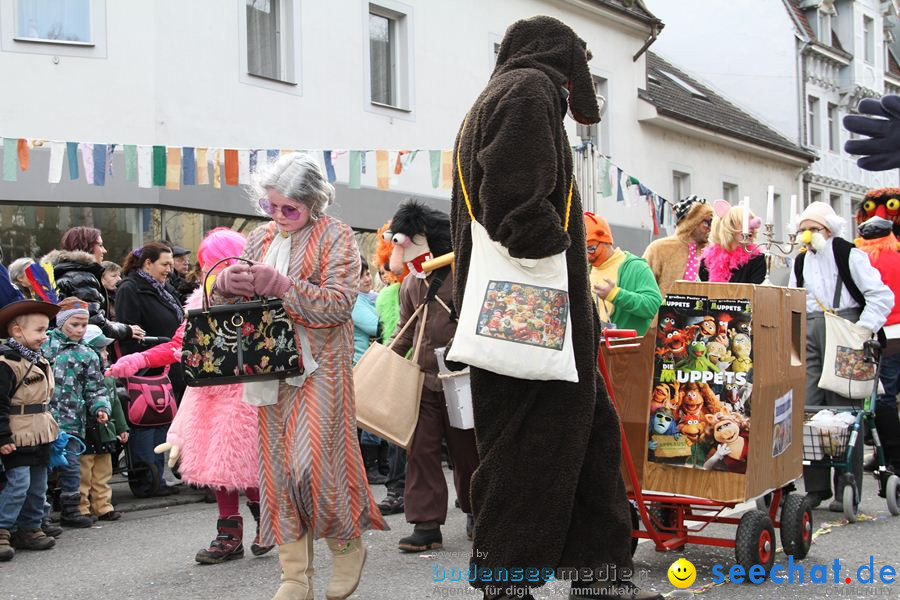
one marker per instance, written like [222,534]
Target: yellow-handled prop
[436,263]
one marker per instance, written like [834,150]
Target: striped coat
[312,476]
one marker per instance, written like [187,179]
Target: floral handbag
[245,341]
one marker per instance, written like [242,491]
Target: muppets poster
[703,382]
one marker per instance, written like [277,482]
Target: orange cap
[597,229]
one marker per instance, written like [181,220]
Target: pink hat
[218,244]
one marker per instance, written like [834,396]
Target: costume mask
[408,252]
[814,241]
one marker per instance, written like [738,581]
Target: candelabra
[770,247]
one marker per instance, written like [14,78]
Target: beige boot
[310,570]
[295,559]
[348,558]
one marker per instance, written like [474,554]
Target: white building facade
[798,65]
[307,74]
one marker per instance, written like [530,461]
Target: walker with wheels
[835,449]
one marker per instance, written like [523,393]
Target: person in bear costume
[548,493]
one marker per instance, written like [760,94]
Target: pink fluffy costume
[214,434]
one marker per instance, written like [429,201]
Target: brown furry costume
[668,256]
[548,492]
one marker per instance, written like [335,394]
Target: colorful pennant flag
[329,166]
[188,167]
[10,158]
[381,170]
[145,166]
[202,167]
[57,154]
[23,154]
[434,158]
[446,169]
[130,162]
[232,167]
[173,168]
[243,167]
[72,159]
[355,169]
[99,151]
[87,161]
[159,166]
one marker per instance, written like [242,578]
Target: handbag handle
[465,191]
[213,268]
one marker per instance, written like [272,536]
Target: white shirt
[820,275]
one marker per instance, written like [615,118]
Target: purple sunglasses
[288,212]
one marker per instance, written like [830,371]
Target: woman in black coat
[77,270]
[145,298]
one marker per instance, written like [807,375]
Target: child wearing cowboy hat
[26,426]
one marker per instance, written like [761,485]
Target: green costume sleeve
[638,294]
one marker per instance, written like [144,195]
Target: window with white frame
[836,200]
[812,121]
[54,21]
[270,39]
[815,196]
[388,57]
[868,39]
[730,192]
[824,27]
[598,133]
[834,132]
[681,185]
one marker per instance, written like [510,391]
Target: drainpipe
[801,124]
[655,28]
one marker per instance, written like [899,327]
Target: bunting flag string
[172,167]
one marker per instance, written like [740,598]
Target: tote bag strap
[465,191]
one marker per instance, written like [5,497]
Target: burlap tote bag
[388,388]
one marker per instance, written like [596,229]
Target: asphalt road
[149,555]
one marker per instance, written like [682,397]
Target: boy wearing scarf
[79,384]
[26,427]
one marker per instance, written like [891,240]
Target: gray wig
[17,268]
[299,177]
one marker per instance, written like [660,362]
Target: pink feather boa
[721,262]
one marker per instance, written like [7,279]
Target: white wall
[743,48]
[171,75]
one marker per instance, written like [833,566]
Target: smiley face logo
[682,573]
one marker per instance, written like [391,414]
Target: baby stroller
[835,449]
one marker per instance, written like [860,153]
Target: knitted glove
[128,365]
[236,280]
[268,282]
[881,151]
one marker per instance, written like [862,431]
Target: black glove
[882,150]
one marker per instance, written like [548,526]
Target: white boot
[295,559]
[348,558]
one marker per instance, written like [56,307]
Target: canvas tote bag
[515,318]
[844,370]
[388,387]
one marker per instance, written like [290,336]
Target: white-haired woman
[17,275]
[838,277]
[312,478]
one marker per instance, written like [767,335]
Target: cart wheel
[796,525]
[664,519]
[143,479]
[635,525]
[849,501]
[892,494]
[755,541]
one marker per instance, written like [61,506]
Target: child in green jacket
[102,442]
